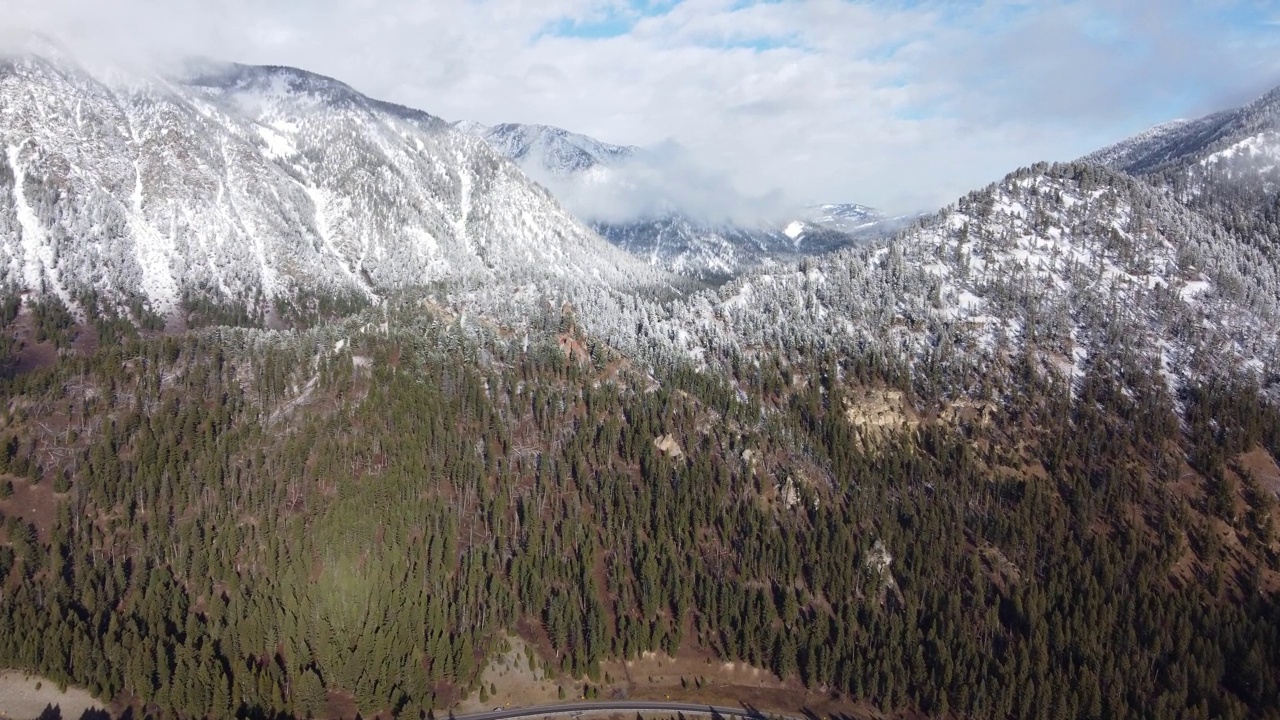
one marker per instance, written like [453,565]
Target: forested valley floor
[238,522]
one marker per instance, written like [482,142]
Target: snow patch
[153,251]
[38,262]
[1193,289]
[1258,148]
[278,146]
[320,200]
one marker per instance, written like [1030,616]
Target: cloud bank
[903,105]
[658,182]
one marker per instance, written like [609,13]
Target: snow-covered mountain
[551,150]
[719,251]
[1222,135]
[268,187]
[841,222]
[1225,166]
[658,206]
[849,217]
[1067,264]
[261,186]
[1161,253]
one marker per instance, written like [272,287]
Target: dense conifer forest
[238,522]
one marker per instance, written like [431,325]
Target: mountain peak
[470,127]
[550,150]
[277,84]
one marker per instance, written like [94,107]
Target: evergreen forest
[237,522]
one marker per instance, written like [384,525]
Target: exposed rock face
[879,412]
[668,445]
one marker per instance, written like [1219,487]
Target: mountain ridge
[1185,141]
[159,198]
[249,185]
[1060,263]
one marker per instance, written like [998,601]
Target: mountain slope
[719,251]
[1183,142]
[847,217]
[253,186]
[556,151]
[1064,264]
[363,516]
[1225,166]
[1009,462]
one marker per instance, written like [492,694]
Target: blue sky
[899,103]
[612,20]
[620,19]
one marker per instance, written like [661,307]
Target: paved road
[621,706]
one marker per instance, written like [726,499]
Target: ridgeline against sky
[900,105]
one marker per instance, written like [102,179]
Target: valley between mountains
[316,405]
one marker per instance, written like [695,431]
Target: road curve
[622,706]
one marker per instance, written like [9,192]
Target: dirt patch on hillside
[23,697]
[1260,463]
[515,678]
[32,502]
[34,356]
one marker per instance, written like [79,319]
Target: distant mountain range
[657,205]
[550,150]
[272,193]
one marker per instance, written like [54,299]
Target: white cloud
[658,182]
[894,104]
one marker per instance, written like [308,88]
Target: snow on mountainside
[849,216]
[1258,154]
[555,151]
[658,207]
[252,185]
[1071,263]
[858,222]
[262,187]
[1186,141]
[1153,146]
[720,250]
[1225,166]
